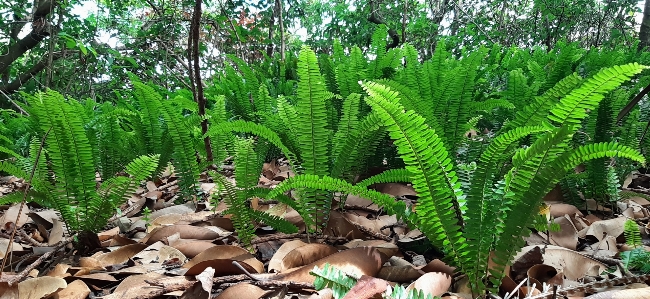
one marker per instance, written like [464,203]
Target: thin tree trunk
[644,31]
[197,86]
[269,47]
[281,18]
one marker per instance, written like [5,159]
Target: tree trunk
[644,32]
[280,17]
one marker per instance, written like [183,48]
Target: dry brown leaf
[242,291]
[220,258]
[357,261]
[11,214]
[399,273]
[164,220]
[8,292]
[109,234]
[196,291]
[185,231]
[438,266]
[275,264]
[568,235]
[120,255]
[4,244]
[134,286]
[306,254]
[387,248]
[561,209]
[367,287]
[56,234]
[159,252]
[395,189]
[191,248]
[573,264]
[60,270]
[75,290]
[40,287]
[611,227]
[432,283]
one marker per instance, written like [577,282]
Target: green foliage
[65,172]
[341,283]
[502,198]
[247,169]
[335,279]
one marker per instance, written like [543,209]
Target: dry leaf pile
[190,251]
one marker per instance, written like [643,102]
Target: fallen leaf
[40,287]
[242,291]
[120,255]
[185,231]
[220,258]
[75,290]
[367,287]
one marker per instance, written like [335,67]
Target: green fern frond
[256,129]
[334,279]
[427,159]
[388,176]
[573,107]
[490,105]
[537,110]
[632,233]
[150,111]
[184,151]
[238,207]
[331,184]
[275,222]
[349,122]
[358,147]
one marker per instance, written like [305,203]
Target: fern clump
[65,170]
[494,208]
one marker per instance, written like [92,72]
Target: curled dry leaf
[8,292]
[60,270]
[164,220]
[185,231]
[567,236]
[306,254]
[399,273]
[387,248]
[220,258]
[40,287]
[11,214]
[242,291]
[432,283]
[357,261]
[135,286]
[611,227]
[75,290]
[205,278]
[275,264]
[573,264]
[367,287]
[120,255]
[191,248]
[56,234]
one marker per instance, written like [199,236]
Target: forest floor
[156,248]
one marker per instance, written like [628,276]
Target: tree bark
[281,19]
[644,31]
[197,86]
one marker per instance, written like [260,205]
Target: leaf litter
[191,251]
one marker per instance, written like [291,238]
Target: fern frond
[184,152]
[334,279]
[537,110]
[632,233]
[331,184]
[257,129]
[427,159]
[388,176]
[573,107]
[277,223]
[349,122]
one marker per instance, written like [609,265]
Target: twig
[22,203]
[275,237]
[33,265]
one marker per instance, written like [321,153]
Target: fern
[334,279]
[426,158]
[632,233]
